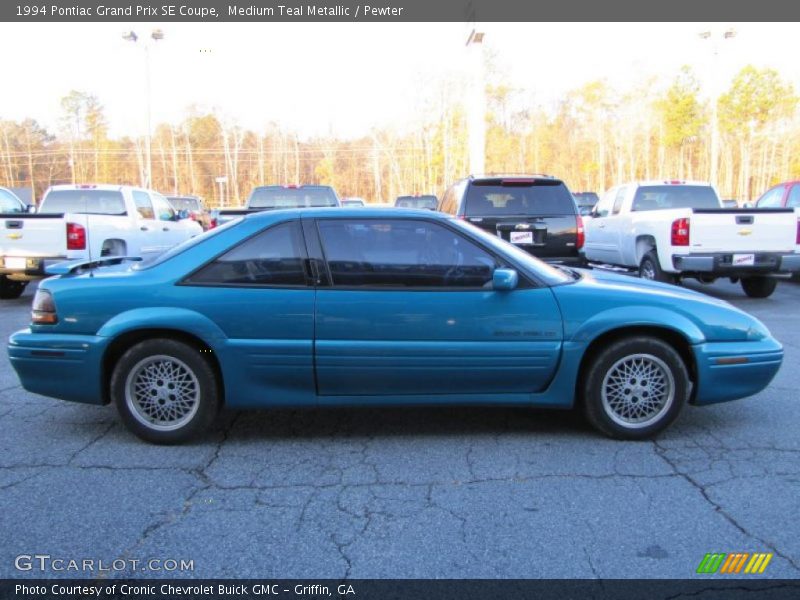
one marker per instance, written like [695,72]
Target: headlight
[757,331]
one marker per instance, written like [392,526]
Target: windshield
[520,198]
[99,202]
[283,197]
[187,244]
[661,197]
[428,202]
[550,275]
[190,204]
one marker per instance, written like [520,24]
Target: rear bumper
[62,366]
[34,266]
[732,370]
[723,263]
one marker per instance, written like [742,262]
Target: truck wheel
[650,269]
[11,290]
[165,391]
[634,388]
[759,287]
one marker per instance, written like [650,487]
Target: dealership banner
[397,10]
[396,589]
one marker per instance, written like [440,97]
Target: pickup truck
[275,197]
[670,230]
[84,222]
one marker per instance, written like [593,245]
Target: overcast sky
[346,77]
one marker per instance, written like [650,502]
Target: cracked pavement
[410,493]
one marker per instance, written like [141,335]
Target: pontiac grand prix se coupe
[310,307]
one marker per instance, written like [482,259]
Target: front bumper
[723,264]
[62,366]
[732,370]
[34,267]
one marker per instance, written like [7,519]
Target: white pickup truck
[670,230]
[86,221]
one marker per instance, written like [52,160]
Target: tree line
[593,137]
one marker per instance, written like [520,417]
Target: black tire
[657,358]
[11,290]
[759,287]
[650,269]
[182,365]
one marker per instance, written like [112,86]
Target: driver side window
[274,257]
[397,254]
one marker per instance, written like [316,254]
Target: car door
[172,231]
[148,234]
[409,310]
[614,225]
[598,245]
[260,295]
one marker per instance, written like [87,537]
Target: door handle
[601,226]
[143,228]
[165,229]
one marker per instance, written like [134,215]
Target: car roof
[650,182]
[536,176]
[354,212]
[105,187]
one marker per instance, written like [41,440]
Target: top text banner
[398,10]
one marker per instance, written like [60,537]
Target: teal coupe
[378,307]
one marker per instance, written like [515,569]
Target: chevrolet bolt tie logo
[14,236]
[731,564]
[745,231]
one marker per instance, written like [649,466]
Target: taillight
[76,237]
[680,232]
[44,309]
[581,234]
[797,237]
[212,224]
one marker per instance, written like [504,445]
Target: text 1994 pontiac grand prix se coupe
[378,307]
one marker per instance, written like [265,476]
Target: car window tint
[495,197]
[771,199]
[89,201]
[163,209]
[395,253]
[794,197]
[143,205]
[661,197]
[618,200]
[9,203]
[273,257]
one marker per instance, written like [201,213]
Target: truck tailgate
[33,235]
[766,230]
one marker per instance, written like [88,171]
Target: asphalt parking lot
[445,493]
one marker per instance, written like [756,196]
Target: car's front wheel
[635,388]
[165,391]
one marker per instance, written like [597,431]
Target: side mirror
[586,211]
[31,208]
[748,204]
[182,214]
[504,280]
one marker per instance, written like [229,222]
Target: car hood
[607,299]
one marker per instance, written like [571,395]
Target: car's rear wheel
[635,388]
[650,269]
[759,287]
[165,391]
[11,290]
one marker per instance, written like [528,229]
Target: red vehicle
[783,195]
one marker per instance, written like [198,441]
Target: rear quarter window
[98,202]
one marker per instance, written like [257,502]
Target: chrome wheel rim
[162,392]
[638,390]
[648,271]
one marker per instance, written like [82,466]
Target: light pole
[476,119]
[156,35]
[715,93]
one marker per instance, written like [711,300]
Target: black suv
[536,213]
